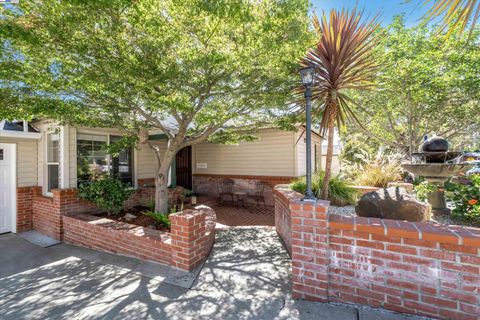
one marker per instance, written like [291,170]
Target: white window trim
[45,174]
[109,159]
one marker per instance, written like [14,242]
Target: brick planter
[417,268]
[66,217]
[188,244]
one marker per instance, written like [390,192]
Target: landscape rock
[401,184]
[393,203]
[129,216]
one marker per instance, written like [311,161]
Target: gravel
[350,212]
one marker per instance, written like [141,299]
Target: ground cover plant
[340,191]
[466,198]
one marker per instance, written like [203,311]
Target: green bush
[466,199]
[340,191]
[424,189]
[107,192]
[161,219]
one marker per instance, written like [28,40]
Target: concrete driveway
[246,277]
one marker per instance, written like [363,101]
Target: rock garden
[436,185]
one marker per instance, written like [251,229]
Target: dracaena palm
[455,13]
[343,62]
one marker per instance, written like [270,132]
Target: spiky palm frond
[454,13]
[342,59]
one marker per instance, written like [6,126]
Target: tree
[455,14]
[428,85]
[193,69]
[343,63]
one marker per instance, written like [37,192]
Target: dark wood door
[184,168]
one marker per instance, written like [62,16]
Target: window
[1,154]
[93,160]
[53,160]
[122,165]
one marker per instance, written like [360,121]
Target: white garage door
[7,187]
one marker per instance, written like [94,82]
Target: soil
[141,219]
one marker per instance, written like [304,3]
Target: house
[37,159]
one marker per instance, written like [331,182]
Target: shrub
[161,219]
[466,199]
[107,192]
[424,189]
[377,172]
[340,191]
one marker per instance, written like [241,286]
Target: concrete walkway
[246,277]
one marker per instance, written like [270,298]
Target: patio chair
[258,195]
[225,191]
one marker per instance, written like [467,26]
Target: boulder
[406,185]
[393,203]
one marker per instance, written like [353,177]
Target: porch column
[64,157]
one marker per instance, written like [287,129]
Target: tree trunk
[161,190]
[329,155]
[161,178]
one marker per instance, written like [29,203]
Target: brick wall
[192,237]
[208,184]
[189,243]
[24,207]
[117,237]
[417,268]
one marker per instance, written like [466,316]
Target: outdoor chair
[258,195]
[225,191]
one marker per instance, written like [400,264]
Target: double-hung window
[53,161]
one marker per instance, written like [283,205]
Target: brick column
[24,207]
[310,249]
[188,238]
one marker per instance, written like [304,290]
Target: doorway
[183,166]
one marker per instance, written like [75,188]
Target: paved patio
[246,277]
[229,215]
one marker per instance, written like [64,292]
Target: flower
[472,202]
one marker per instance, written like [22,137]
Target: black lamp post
[308,75]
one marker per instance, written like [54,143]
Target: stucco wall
[26,160]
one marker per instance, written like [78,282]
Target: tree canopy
[428,84]
[193,69]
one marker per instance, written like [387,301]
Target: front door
[184,168]
[7,187]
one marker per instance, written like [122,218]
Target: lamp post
[308,75]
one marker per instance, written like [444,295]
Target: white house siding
[147,161]
[26,160]
[271,155]
[301,152]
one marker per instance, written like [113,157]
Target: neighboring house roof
[18,129]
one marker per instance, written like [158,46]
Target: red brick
[402,249]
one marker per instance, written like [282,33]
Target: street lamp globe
[307,74]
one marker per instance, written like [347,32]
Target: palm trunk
[329,156]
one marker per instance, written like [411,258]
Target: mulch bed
[141,219]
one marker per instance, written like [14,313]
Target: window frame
[49,163]
[109,159]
